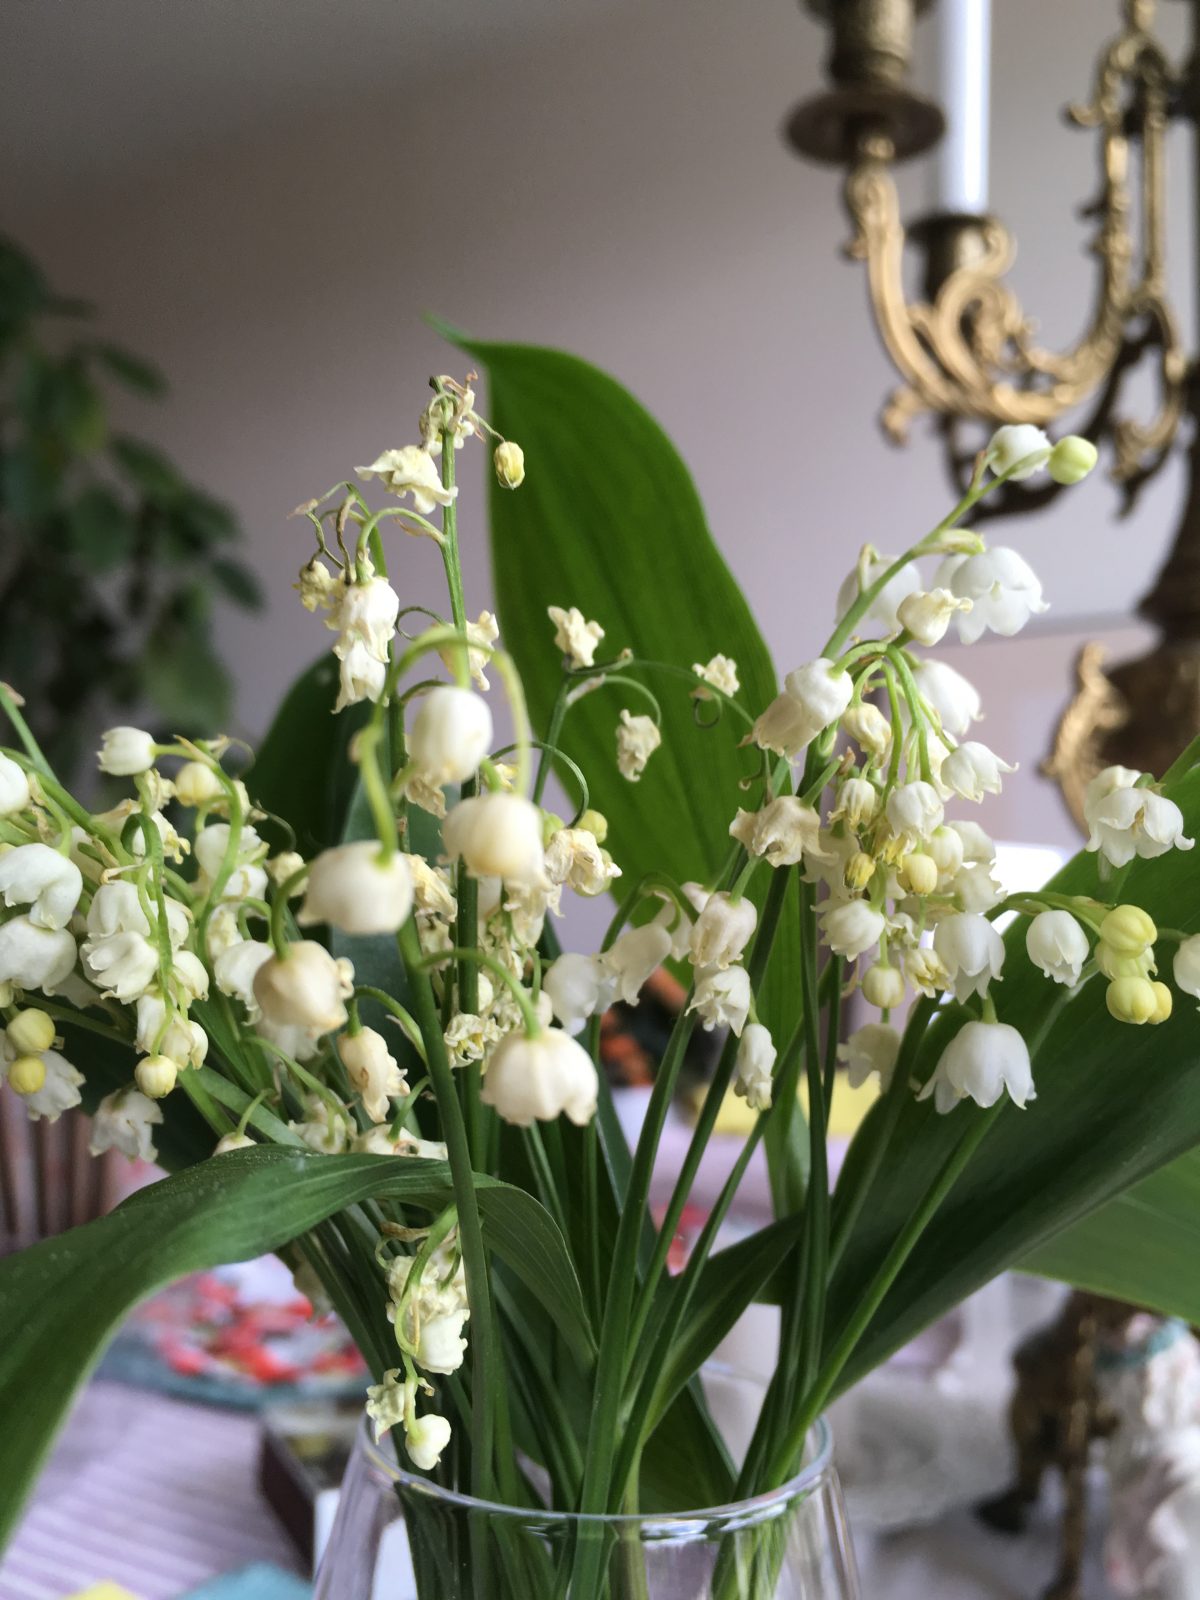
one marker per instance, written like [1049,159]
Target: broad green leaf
[103,530]
[302,771]
[1144,1246]
[74,1290]
[238,582]
[135,373]
[149,469]
[1114,1105]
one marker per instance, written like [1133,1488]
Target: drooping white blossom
[579,986]
[868,727]
[722,931]
[971,951]
[575,636]
[1020,445]
[754,1066]
[43,879]
[59,1090]
[430,1314]
[1003,589]
[914,811]
[638,737]
[306,988]
[425,1438]
[497,836]
[821,689]
[372,1070]
[1058,945]
[785,831]
[481,636]
[719,671]
[122,964]
[14,788]
[248,879]
[1127,821]
[540,1078]
[973,770]
[124,752]
[1186,966]
[184,1041]
[450,734]
[873,1048]
[927,615]
[634,955]
[33,957]
[851,927]
[411,470]
[955,700]
[361,676]
[365,614]
[981,1062]
[575,858]
[352,888]
[722,998]
[124,1121]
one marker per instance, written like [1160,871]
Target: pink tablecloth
[152,1493]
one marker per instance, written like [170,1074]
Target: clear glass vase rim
[760,1507]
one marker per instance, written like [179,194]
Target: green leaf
[302,771]
[102,530]
[140,376]
[1140,1247]
[185,681]
[74,1290]
[238,582]
[148,469]
[1114,1105]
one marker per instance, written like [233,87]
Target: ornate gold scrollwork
[970,350]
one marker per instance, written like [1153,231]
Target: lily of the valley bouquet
[326,988]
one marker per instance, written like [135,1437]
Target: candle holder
[968,349]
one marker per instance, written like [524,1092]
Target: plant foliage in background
[110,559]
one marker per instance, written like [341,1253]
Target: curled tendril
[421,611]
[576,772]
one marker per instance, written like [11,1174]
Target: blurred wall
[611,180]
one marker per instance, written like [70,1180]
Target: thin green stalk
[492,1452]
[818,1179]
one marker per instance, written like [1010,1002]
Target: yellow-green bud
[1128,930]
[550,826]
[1132,1000]
[1071,459]
[883,987]
[509,461]
[859,871]
[30,1032]
[919,872]
[156,1076]
[1114,965]
[596,824]
[1163,996]
[196,784]
[27,1074]
[232,1141]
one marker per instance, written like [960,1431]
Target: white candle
[964,65]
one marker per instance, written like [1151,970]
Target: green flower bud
[1132,1000]
[1128,930]
[1072,459]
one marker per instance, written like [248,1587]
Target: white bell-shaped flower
[871,1049]
[366,614]
[722,998]
[722,930]
[248,880]
[970,950]
[304,989]
[784,727]
[982,1061]
[123,1121]
[1020,445]
[196,784]
[33,957]
[1002,587]
[540,1079]
[373,1071]
[851,927]
[575,858]
[975,887]
[822,690]
[497,836]
[785,831]
[882,617]
[638,737]
[450,734]
[184,1041]
[973,770]
[124,752]
[1186,966]
[914,811]
[354,889]
[123,964]
[952,696]
[1127,821]
[868,727]
[579,986]
[59,1089]
[234,970]
[117,908]
[14,787]
[1058,945]
[754,1066]
[411,470]
[361,676]
[47,882]
[634,955]
[927,615]
[426,1437]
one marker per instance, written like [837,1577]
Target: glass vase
[400,1536]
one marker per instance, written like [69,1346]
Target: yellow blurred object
[103,1591]
[850,1106]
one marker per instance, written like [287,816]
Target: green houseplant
[339,1013]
